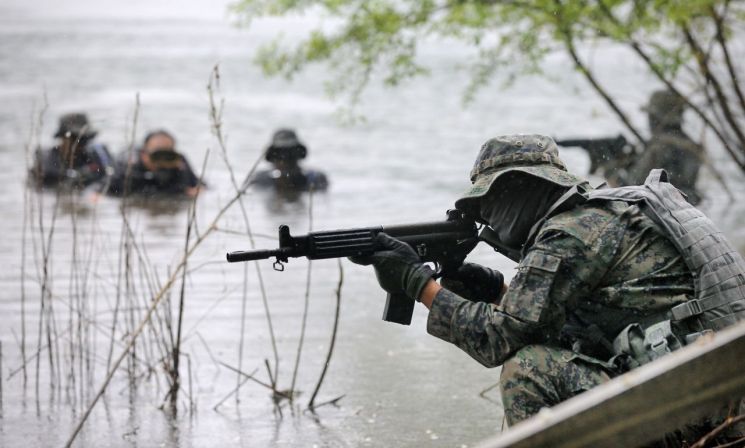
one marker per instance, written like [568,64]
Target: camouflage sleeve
[480,329]
[557,271]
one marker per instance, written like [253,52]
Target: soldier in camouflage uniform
[669,147]
[598,280]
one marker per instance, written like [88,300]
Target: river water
[406,162]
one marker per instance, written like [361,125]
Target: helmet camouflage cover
[534,155]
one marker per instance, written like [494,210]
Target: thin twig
[27,220]
[244,301]
[175,376]
[333,337]
[333,401]
[569,44]
[245,378]
[737,157]
[307,299]
[124,238]
[715,84]
[216,118]
[153,305]
[738,442]
[729,421]
[722,40]
[254,379]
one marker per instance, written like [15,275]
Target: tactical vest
[718,269]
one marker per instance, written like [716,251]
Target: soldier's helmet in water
[534,155]
[75,125]
[285,146]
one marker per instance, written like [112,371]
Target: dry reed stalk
[246,378]
[156,299]
[74,301]
[216,121]
[304,321]
[43,269]
[124,235]
[89,341]
[175,379]
[34,130]
[271,387]
[192,400]
[311,402]
[241,341]
[45,309]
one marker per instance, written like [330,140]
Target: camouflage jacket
[599,266]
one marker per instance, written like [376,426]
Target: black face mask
[515,204]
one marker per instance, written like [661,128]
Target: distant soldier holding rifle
[668,147]
[76,161]
[608,279]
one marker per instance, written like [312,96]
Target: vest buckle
[686,310]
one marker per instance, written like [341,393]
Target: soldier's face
[515,203]
[160,154]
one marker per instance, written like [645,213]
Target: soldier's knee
[527,362]
[526,383]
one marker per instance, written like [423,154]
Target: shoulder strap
[656,176]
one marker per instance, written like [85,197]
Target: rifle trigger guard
[421,250]
[278,266]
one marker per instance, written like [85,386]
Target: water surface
[407,162]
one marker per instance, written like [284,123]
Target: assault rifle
[609,152]
[444,243]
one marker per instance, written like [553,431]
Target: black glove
[397,267]
[475,283]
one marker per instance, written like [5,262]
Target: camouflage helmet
[666,107]
[285,145]
[534,155]
[75,125]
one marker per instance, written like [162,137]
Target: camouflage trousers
[539,376]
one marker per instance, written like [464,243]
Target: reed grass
[140,334]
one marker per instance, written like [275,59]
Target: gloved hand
[475,283]
[397,267]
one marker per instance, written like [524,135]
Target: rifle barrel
[251,255]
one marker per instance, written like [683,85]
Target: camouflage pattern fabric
[603,265]
[538,376]
[534,155]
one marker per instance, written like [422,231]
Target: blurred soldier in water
[668,147]
[284,152]
[76,161]
[154,169]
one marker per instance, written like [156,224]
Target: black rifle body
[603,152]
[446,243]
